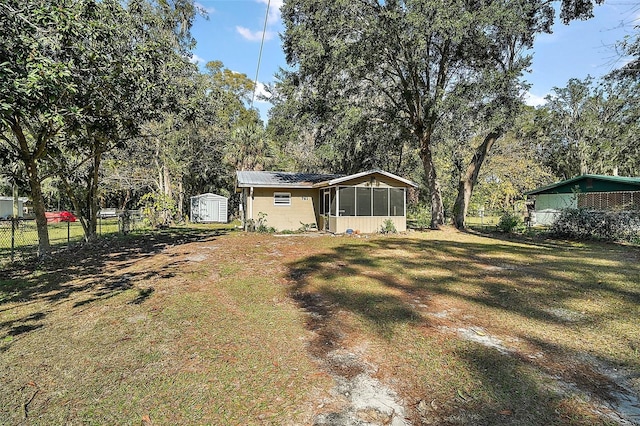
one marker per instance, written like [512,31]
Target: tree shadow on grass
[89,269]
[532,281]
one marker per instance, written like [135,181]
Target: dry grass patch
[207,326]
[183,330]
[475,330]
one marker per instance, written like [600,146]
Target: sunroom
[363,202]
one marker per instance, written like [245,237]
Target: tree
[189,148]
[589,127]
[418,56]
[36,87]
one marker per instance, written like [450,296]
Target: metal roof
[7,198]
[281,179]
[209,195]
[629,181]
[246,179]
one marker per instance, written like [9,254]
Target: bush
[388,227]
[419,216]
[582,224]
[509,222]
[261,226]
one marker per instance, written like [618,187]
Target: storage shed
[6,207]
[595,192]
[206,208]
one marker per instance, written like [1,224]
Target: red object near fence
[57,217]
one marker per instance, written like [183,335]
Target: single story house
[361,202]
[207,208]
[596,192]
[6,206]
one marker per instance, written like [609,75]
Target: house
[361,202]
[6,206]
[206,208]
[596,192]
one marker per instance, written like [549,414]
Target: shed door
[211,211]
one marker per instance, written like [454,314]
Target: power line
[264,31]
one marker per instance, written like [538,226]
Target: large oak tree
[423,58]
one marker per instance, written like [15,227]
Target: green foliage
[583,224]
[388,227]
[261,225]
[509,222]
[306,227]
[418,215]
[158,209]
[590,127]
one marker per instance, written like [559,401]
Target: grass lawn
[25,237]
[207,325]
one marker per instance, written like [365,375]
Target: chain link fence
[19,237]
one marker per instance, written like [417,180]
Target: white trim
[362,174]
[250,203]
[284,197]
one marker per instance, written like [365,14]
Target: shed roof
[209,195]
[590,183]
[5,198]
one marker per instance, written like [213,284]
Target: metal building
[206,208]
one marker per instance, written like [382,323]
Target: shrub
[583,224]
[419,216]
[509,222]
[158,209]
[261,225]
[388,227]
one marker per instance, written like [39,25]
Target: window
[396,201]
[347,198]
[332,209]
[281,198]
[326,201]
[380,202]
[363,201]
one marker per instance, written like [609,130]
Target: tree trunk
[437,208]
[470,177]
[44,246]
[181,197]
[30,159]
[92,202]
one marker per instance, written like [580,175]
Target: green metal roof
[590,183]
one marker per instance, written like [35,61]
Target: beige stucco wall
[380,181]
[283,218]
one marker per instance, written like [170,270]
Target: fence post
[13,237]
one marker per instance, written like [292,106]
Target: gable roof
[342,179]
[262,179]
[246,179]
[598,183]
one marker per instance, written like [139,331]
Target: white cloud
[195,59]
[534,100]
[247,34]
[261,92]
[274,10]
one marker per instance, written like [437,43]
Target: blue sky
[233,31]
